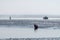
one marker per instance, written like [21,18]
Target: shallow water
[21,32]
[26,29]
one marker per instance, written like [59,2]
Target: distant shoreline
[57,38]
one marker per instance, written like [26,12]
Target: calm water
[21,32]
[26,30]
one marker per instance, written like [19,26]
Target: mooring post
[10,18]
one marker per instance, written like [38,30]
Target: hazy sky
[30,7]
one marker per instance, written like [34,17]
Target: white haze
[30,7]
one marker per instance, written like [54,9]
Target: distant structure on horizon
[45,17]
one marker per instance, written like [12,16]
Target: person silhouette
[35,27]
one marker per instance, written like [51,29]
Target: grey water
[30,23]
[24,28]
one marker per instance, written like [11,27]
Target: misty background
[30,7]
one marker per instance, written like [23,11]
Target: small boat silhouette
[45,17]
[35,27]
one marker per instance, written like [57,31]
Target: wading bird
[35,27]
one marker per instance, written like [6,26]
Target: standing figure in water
[35,27]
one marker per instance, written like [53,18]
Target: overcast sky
[29,7]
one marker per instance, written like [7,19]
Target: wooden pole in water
[10,18]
